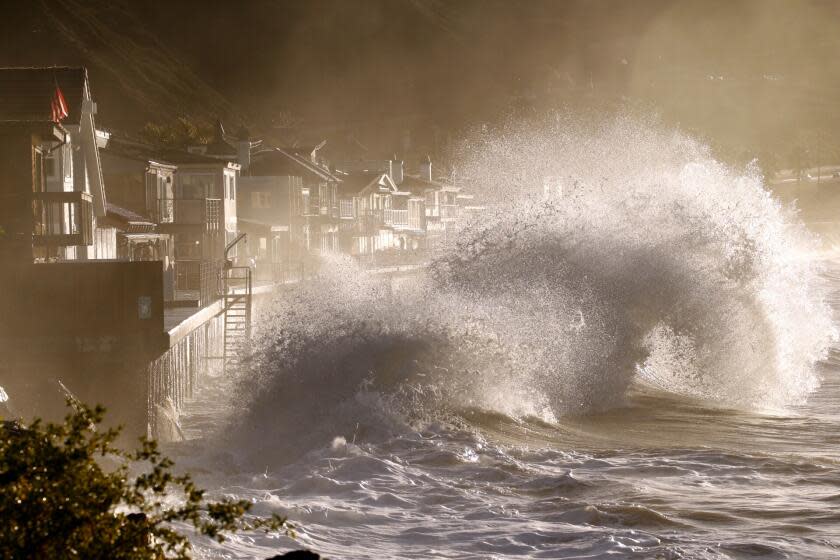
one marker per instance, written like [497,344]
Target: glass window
[51,164]
[196,186]
[38,186]
[304,195]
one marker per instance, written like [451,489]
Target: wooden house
[201,217]
[73,190]
[367,211]
[296,199]
[441,202]
[86,328]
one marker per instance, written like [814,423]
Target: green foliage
[67,492]
[179,134]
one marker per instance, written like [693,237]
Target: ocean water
[635,357]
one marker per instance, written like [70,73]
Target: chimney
[426,169]
[243,148]
[395,170]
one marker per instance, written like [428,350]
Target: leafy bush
[179,134]
[66,491]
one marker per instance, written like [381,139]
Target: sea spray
[608,255]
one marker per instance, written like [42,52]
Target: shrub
[60,499]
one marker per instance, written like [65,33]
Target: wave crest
[648,260]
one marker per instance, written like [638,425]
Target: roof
[417,184]
[186,158]
[137,151]
[26,93]
[355,183]
[282,162]
[130,221]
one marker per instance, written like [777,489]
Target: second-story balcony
[206,212]
[396,218]
[62,219]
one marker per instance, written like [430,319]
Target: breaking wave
[608,256]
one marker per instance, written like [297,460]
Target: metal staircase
[237,304]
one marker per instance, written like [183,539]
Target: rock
[297,555]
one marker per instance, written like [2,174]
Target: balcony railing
[205,212]
[396,218]
[63,218]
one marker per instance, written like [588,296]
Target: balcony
[205,212]
[62,219]
[396,218]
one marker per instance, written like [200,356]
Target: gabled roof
[26,93]
[282,162]
[354,184]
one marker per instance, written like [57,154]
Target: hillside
[135,77]
[752,77]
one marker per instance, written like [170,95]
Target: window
[260,199]
[38,174]
[51,163]
[230,187]
[304,196]
[196,186]
[323,198]
[67,160]
[188,245]
[346,208]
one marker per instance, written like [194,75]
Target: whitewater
[632,353]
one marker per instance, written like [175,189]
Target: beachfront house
[441,202]
[201,217]
[141,193]
[364,200]
[73,193]
[289,206]
[74,325]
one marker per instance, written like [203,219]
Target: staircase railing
[237,294]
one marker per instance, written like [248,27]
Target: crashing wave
[607,256]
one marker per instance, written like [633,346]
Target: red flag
[58,105]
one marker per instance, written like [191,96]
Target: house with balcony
[368,211]
[70,193]
[137,180]
[201,217]
[319,197]
[443,202]
[72,324]
[289,206]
